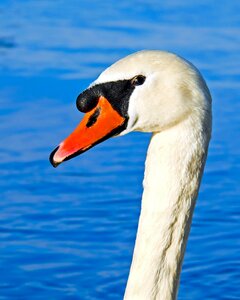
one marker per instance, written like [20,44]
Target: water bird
[159,92]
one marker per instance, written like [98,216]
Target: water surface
[69,233]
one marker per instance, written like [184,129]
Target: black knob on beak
[87,100]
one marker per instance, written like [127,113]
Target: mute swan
[159,92]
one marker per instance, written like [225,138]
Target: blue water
[68,233]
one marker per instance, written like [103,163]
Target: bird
[162,93]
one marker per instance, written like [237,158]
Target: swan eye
[138,80]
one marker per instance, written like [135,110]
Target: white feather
[175,104]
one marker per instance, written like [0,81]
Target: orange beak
[96,126]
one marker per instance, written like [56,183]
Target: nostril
[86,102]
[93,118]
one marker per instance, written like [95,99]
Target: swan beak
[97,125]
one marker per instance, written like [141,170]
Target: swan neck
[173,171]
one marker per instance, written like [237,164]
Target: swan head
[148,91]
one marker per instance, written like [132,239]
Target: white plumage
[175,104]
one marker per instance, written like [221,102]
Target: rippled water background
[68,233]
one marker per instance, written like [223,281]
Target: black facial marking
[116,92]
[93,118]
